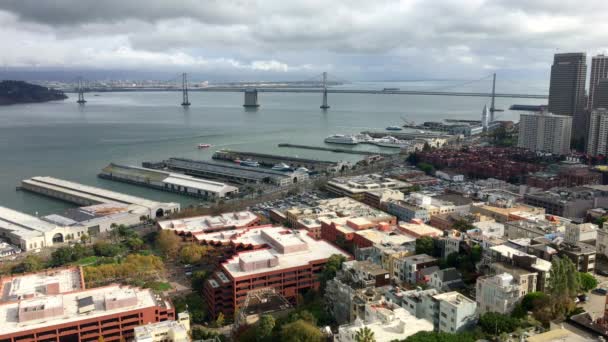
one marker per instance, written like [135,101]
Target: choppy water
[65,140]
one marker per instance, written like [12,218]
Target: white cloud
[368,39]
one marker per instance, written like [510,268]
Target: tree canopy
[365,334]
[168,243]
[300,331]
[587,281]
[425,245]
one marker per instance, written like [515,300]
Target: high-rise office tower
[597,143]
[567,90]
[600,96]
[599,71]
[545,132]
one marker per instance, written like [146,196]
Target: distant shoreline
[19,92]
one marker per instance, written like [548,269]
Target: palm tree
[365,334]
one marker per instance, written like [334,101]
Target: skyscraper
[567,91]
[600,96]
[599,70]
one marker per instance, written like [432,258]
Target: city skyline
[269,41]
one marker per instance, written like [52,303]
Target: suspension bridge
[321,86]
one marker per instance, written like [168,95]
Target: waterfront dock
[337,150]
[270,160]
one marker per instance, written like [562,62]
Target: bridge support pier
[251,98]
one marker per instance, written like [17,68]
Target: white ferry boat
[281,167]
[341,139]
[249,162]
[392,142]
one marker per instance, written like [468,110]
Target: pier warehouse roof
[30,232]
[89,195]
[168,181]
[233,172]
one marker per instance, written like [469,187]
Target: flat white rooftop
[23,224]
[9,312]
[35,284]
[509,252]
[93,193]
[316,250]
[199,224]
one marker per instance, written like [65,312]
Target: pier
[338,150]
[270,160]
[85,195]
[228,172]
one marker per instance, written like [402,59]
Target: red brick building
[54,306]
[290,261]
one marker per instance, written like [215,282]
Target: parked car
[600,291]
[583,298]
[602,272]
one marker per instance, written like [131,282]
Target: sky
[299,39]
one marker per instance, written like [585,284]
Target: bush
[495,324]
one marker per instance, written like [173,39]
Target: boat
[390,89]
[302,170]
[249,162]
[341,139]
[393,128]
[281,167]
[204,145]
[391,142]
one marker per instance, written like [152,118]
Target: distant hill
[13,92]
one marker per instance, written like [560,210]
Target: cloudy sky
[289,39]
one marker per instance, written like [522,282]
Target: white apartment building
[171,331]
[597,140]
[450,312]
[545,132]
[497,293]
[601,242]
[576,233]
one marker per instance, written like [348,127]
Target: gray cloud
[454,38]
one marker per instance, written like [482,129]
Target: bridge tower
[81,99]
[251,98]
[324,105]
[492,108]
[185,101]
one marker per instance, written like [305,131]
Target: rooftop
[365,183]
[419,259]
[286,249]
[199,224]
[21,315]
[168,177]
[420,229]
[22,224]
[51,281]
[454,298]
[95,194]
[509,252]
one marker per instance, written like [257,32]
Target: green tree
[425,245]
[300,331]
[426,167]
[587,281]
[462,225]
[84,238]
[193,253]
[495,323]
[168,243]
[433,336]
[106,249]
[365,334]
[265,327]
[219,321]
[564,285]
[31,263]
[333,264]
[198,280]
